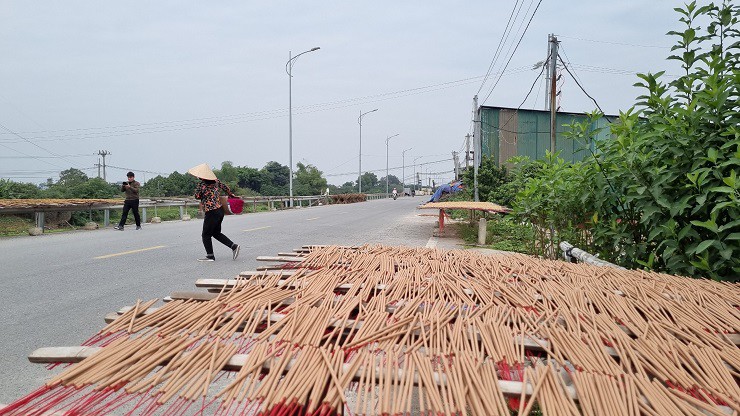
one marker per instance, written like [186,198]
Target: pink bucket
[236,205]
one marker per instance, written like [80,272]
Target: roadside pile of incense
[399,330]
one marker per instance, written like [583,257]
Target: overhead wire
[615,43]
[579,85]
[204,122]
[32,143]
[383,169]
[515,49]
[501,42]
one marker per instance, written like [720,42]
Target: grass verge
[503,233]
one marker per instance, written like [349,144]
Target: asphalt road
[56,289]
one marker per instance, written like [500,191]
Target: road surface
[56,289]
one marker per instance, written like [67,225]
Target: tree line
[271,180]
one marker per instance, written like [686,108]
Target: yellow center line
[129,252]
[258,228]
[311,219]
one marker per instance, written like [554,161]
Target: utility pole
[98,166]
[104,153]
[552,70]
[467,151]
[457,165]
[476,147]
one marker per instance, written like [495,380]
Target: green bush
[552,200]
[666,193]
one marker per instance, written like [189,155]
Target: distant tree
[252,178]
[277,177]
[308,180]
[178,184]
[278,174]
[154,187]
[369,180]
[16,190]
[72,177]
[228,172]
[392,180]
[96,188]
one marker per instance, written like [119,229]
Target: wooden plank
[192,295]
[252,273]
[50,355]
[283,259]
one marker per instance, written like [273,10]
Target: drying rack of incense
[60,204]
[476,206]
[469,205]
[395,330]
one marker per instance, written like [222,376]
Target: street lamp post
[386,162]
[289,70]
[414,178]
[359,172]
[403,169]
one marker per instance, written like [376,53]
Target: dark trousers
[212,228]
[130,204]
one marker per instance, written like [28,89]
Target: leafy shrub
[551,200]
[666,188]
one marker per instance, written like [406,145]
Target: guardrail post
[181,211]
[40,220]
[106,218]
[254,205]
[271,204]
[143,214]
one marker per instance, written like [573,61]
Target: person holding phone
[131,188]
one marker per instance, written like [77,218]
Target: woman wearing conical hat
[209,192]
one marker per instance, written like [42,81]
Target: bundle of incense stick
[400,330]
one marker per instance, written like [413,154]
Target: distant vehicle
[407,192]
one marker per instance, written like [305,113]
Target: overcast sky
[166,85]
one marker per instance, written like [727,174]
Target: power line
[579,84]
[29,141]
[46,157]
[515,49]
[383,169]
[501,42]
[137,170]
[616,43]
[168,126]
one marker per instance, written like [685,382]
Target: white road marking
[258,228]
[432,243]
[314,218]
[129,252]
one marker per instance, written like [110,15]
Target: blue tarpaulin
[448,188]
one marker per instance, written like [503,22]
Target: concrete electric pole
[476,147]
[552,71]
[104,153]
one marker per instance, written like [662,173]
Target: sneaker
[207,259]
[235,250]
[138,227]
[118,227]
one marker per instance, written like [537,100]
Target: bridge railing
[271,202]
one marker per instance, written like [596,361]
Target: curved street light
[386,162]
[289,70]
[359,175]
[415,159]
[403,171]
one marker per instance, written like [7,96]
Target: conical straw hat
[202,171]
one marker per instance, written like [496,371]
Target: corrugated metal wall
[509,132]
